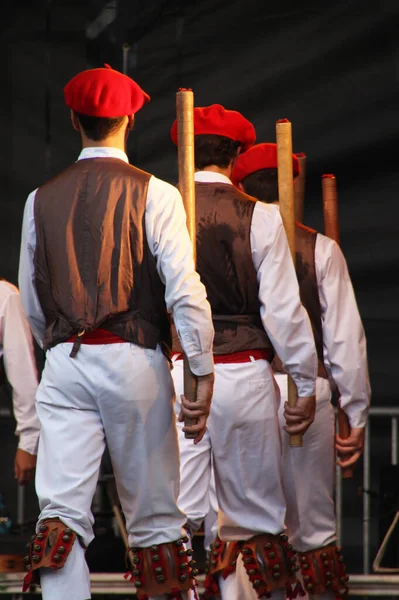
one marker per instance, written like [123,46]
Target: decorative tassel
[293,591]
[194,590]
[212,590]
[27,581]
[228,571]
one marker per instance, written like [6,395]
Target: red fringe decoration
[293,591]
[212,591]
[27,581]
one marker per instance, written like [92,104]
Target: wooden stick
[330,206]
[113,495]
[185,148]
[299,188]
[286,202]
[331,229]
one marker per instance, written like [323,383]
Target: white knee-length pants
[244,439]
[309,474]
[121,394]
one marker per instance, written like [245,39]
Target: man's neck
[214,169]
[108,143]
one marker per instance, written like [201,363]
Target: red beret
[104,93]
[261,156]
[216,120]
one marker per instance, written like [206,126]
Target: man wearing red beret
[327,294]
[105,255]
[244,261]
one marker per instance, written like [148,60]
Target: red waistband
[98,336]
[235,357]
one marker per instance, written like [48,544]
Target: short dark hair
[99,128]
[216,150]
[262,185]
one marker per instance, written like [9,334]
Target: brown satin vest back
[93,266]
[224,263]
[305,244]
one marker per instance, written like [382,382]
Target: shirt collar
[211,177]
[103,152]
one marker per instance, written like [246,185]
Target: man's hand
[24,466]
[300,416]
[200,408]
[350,449]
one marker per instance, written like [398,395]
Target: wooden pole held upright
[299,188]
[330,206]
[286,202]
[185,149]
[331,230]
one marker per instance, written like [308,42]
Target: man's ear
[130,123]
[233,161]
[75,121]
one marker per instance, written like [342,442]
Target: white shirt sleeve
[185,295]
[284,318]
[20,368]
[343,334]
[26,275]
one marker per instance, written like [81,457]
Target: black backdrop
[330,68]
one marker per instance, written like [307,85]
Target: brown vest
[93,266]
[305,244]
[224,263]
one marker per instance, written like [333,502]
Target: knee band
[324,570]
[269,560]
[163,569]
[48,548]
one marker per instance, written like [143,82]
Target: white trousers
[123,395]
[244,439]
[238,586]
[309,474]
[211,518]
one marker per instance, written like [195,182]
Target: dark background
[330,68]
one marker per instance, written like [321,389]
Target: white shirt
[285,320]
[16,348]
[345,351]
[169,242]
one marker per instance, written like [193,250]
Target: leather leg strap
[221,562]
[163,569]
[324,570]
[269,560]
[49,548]
[270,563]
